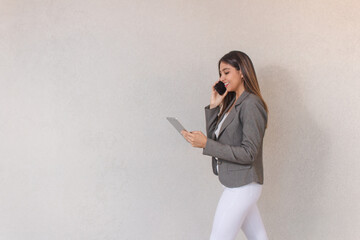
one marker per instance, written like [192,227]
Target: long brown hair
[242,62]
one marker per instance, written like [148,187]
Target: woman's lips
[226,84]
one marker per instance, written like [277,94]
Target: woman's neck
[239,92]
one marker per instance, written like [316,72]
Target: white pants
[237,209]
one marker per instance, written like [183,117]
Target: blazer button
[219,162]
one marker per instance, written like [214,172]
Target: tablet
[177,125]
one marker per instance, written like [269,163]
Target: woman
[235,127]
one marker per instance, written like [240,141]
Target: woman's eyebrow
[224,69]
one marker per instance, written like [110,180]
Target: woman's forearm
[211,116]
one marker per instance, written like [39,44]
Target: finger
[213,86]
[189,138]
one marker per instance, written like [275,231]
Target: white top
[217,133]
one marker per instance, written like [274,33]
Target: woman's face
[230,76]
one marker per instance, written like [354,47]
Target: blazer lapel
[233,111]
[214,135]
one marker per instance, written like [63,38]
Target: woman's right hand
[216,98]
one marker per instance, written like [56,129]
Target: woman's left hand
[196,138]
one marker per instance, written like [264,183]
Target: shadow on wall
[295,161]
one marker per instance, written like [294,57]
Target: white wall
[86,151]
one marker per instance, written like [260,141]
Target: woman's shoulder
[252,102]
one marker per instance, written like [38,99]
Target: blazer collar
[232,113]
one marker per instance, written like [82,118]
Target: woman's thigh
[232,209]
[253,226]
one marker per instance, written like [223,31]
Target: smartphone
[220,87]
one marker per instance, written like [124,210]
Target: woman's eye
[225,73]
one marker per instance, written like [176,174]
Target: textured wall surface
[86,151]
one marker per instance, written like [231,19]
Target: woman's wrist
[211,106]
[205,142]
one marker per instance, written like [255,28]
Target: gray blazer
[240,141]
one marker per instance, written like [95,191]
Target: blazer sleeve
[211,116]
[254,118]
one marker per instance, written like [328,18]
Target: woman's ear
[241,75]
